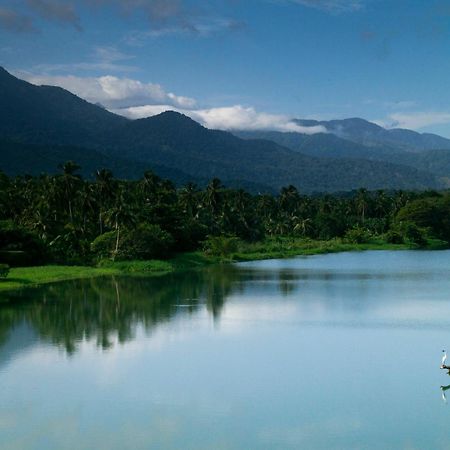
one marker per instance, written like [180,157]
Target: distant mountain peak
[175,115]
[170,118]
[364,132]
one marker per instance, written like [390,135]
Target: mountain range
[44,126]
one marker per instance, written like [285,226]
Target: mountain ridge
[41,116]
[369,133]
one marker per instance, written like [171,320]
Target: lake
[338,351]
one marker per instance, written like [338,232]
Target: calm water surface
[327,352]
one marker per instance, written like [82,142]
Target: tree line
[64,218]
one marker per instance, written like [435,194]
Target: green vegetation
[30,276]
[21,277]
[288,247]
[76,228]
[240,251]
[4,270]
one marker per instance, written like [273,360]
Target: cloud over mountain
[236,117]
[113,92]
[135,99]
[415,120]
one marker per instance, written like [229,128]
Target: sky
[241,64]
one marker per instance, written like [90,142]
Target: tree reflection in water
[110,308]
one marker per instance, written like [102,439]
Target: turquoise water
[337,351]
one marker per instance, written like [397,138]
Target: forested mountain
[174,140]
[50,115]
[371,134]
[325,145]
[43,126]
[328,145]
[18,158]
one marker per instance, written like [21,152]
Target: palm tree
[289,198]
[362,202]
[188,199]
[70,182]
[213,195]
[120,215]
[213,199]
[105,186]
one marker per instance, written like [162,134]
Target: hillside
[22,158]
[370,134]
[174,140]
[51,123]
[325,145]
[50,115]
[328,145]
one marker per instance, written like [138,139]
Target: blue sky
[241,63]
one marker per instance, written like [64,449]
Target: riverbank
[23,277]
[275,248]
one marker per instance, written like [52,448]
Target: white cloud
[111,91]
[334,6]
[104,59]
[235,117]
[246,118]
[135,100]
[414,120]
[202,27]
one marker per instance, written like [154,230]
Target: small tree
[4,270]
[146,241]
[221,245]
[357,235]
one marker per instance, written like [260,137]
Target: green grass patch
[31,276]
[288,247]
[270,248]
[28,276]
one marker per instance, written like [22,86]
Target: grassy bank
[268,249]
[22,277]
[288,247]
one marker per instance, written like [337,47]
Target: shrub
[413,233]
[221,245]
[394,237]
[146,241]
[432,214]
[357,235]
[189,235]
[19,247]
[103,245]
[4,270]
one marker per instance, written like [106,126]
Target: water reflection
[106,310]
[443,389]
[102,308]
[232,357]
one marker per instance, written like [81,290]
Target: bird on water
[444,358]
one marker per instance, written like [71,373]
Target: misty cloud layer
[136,100]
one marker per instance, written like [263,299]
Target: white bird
[444,358]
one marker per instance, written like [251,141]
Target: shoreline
[27,277]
